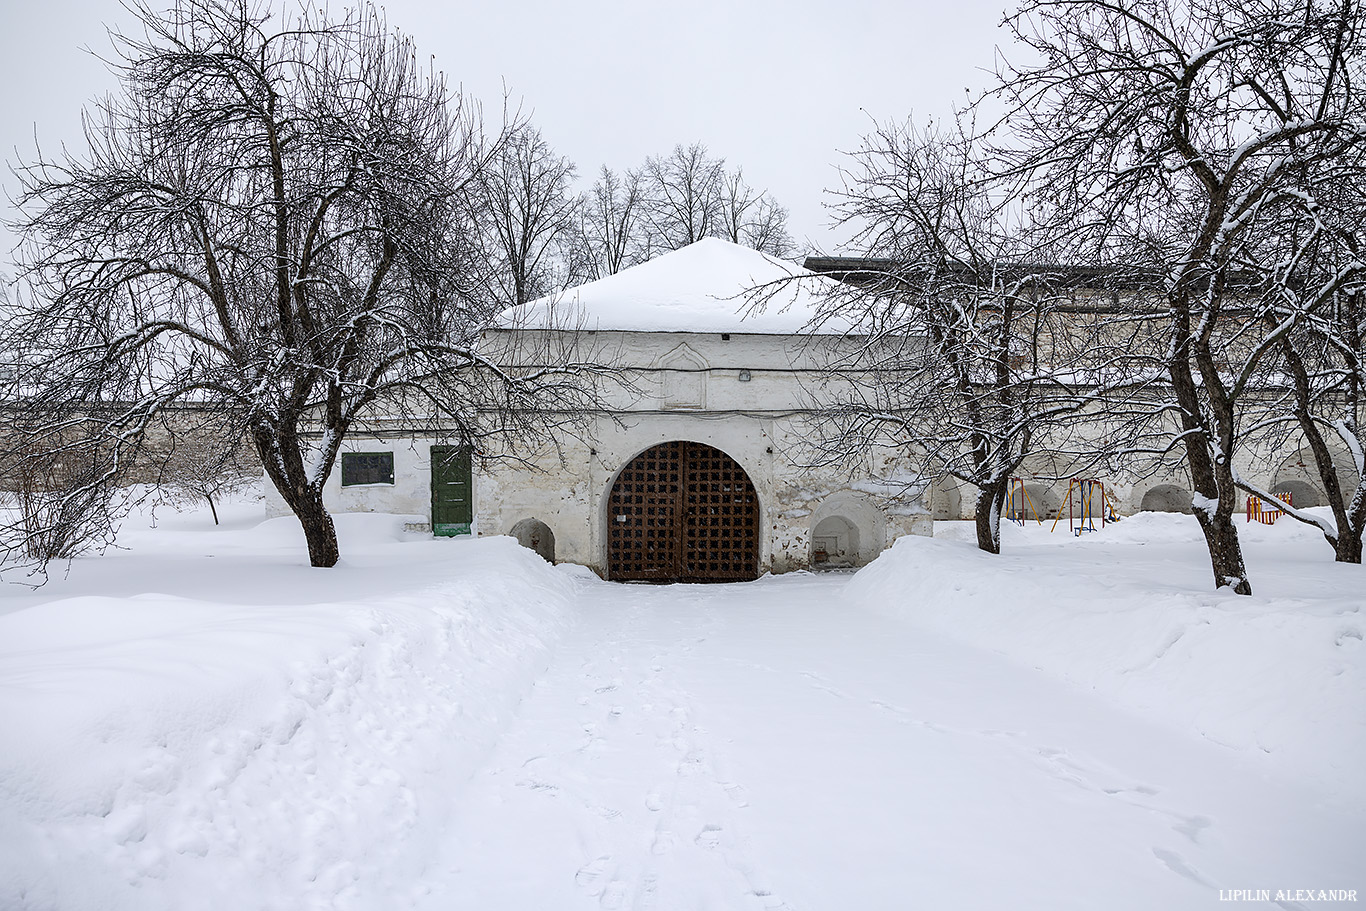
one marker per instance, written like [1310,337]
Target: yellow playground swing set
[1086,501]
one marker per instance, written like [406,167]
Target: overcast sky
[778,88]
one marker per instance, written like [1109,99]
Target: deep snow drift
[237,730]
[1129,612]
[202,721]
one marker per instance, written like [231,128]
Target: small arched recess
[1298,476]
[943,500]
[534,534]
[1037,501]
[1166,498]
[683,380]
[847,530]
[1302,493]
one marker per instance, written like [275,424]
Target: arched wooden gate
[683,512]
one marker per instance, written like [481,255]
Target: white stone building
[695,468]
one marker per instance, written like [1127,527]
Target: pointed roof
[707,286]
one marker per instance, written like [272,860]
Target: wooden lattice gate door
[683,512]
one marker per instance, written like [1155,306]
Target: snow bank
[173,752]
[1129,613]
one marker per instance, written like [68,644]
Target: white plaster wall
[572,500]
[759,423]
[410,494]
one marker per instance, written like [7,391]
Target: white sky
[778,88]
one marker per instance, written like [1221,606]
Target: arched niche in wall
[1038,499]
[1302,493]
[1166,498]
[834,543]
[683,380]
[534,534]
[943,500]
[1298,476]
[847,530]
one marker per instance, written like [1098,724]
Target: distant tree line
[544,237]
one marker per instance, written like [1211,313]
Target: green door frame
[452,491]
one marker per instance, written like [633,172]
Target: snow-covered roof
[702,287]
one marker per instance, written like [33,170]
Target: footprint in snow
[592,876]
[771,902]
[1192,826]
[709,837]
[1177,864]
[735,792]
[613,895]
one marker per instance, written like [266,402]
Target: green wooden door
[452,491]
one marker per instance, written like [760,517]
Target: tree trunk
[1225,550]
[1347,544]
[280,459]
[1208,444]
[213,509]
[990,501]
[319,530]
[1347,547]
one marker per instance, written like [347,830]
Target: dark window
[367,468]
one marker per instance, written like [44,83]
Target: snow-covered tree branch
[272,222]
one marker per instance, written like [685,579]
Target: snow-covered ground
[202,721]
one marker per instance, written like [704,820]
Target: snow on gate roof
[699,288]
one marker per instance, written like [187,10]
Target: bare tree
[202,464]
[752,218]
[1310,280]
[271,223]
[57,485]
[1160,129]
[609,234]
[530,213]
[58,488]
[961,354]
[670,202]
[766,228]
[683,192]
[689,195]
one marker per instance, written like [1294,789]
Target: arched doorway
[1166,498]
[1031,501]
[683,512]
[1303,495]
[834,543]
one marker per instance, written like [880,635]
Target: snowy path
[767,746]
